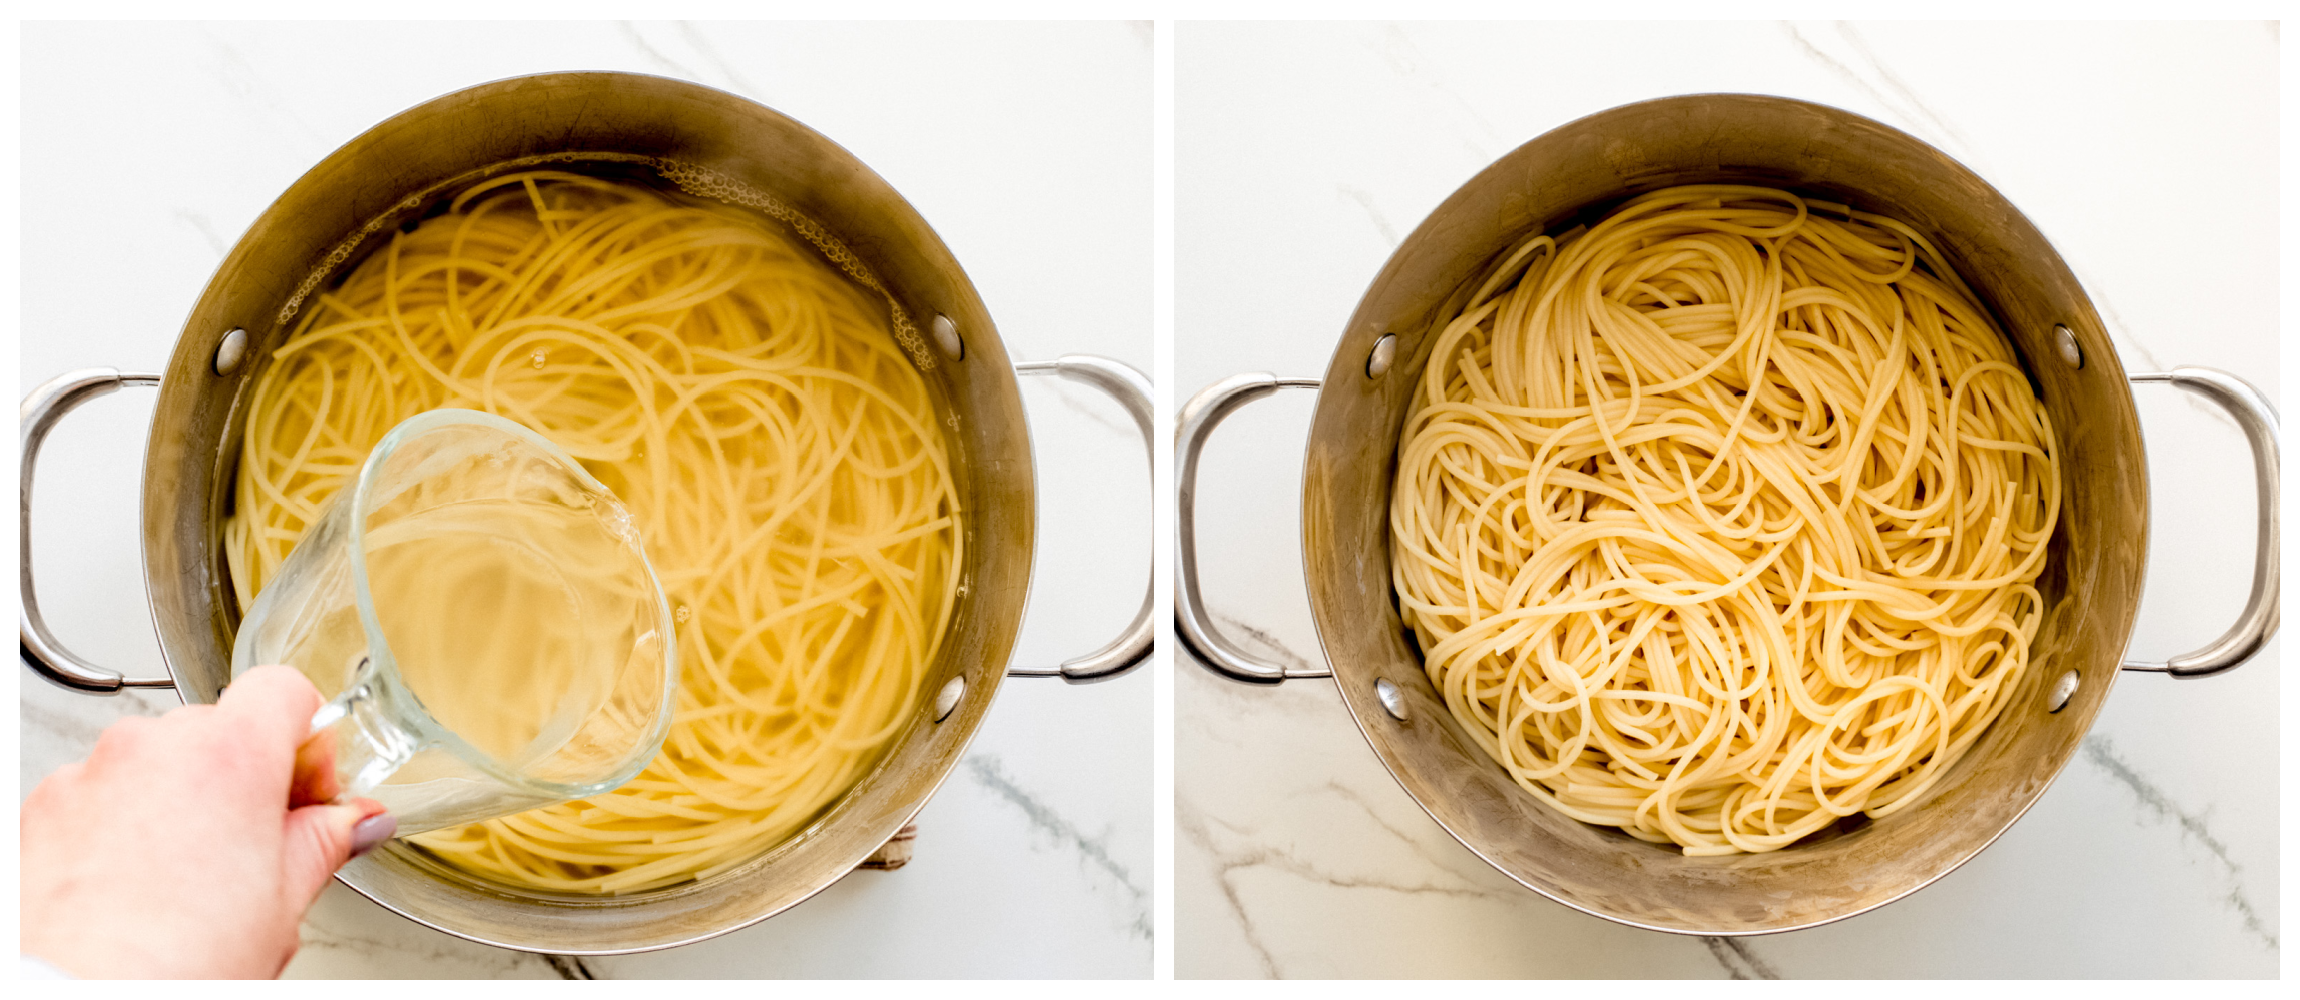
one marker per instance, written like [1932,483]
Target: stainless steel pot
[1572,175]
[601,122]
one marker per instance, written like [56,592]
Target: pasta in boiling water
[752,408]
[1721,519]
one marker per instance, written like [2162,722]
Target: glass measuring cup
[482,616]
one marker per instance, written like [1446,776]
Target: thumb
[319,839]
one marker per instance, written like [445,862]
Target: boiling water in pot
[747,386]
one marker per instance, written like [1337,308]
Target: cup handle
[357,731]
[2257,416]
[1132,390]
[38,415]
[1191,621]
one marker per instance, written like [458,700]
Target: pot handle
[1191,621]
[1132,390]
[41,409]
[2257,416]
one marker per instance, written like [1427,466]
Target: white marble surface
[2147,153]
[148,148]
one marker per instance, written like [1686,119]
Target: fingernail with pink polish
[372,831]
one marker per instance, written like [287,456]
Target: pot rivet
[947,699]
[946,337]
[1393,700]
[2071,352]
[2062,690]
[1385,354]
[232,351]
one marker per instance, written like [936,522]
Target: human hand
[189,846]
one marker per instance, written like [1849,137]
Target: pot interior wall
[1572,175]
[399,170]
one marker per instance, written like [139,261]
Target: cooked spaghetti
[747,402]
[1720,520]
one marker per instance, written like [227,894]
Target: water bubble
[541,357]
[617,521]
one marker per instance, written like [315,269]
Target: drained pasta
[1720,520]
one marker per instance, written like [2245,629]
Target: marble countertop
[148,149]
[2147,153]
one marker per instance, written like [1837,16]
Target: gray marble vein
[80,733]
[1072,398]
[639,42]
[2100,752]
[1841,71]
[569,967]
[437,948]
[1259,640]
[1198,826]
[1217,721]
[206,229]
[2118,329]
[1446,860]
[1917,106]
[1405,57]
[1262,855]
[989,772]
[1221,721]
[1739,961]
[232,69]
[239,75]
[2130,345]
[1365,200]
[57,727]
[1893,96]
[735,80]
[1191,824]
[723,75]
